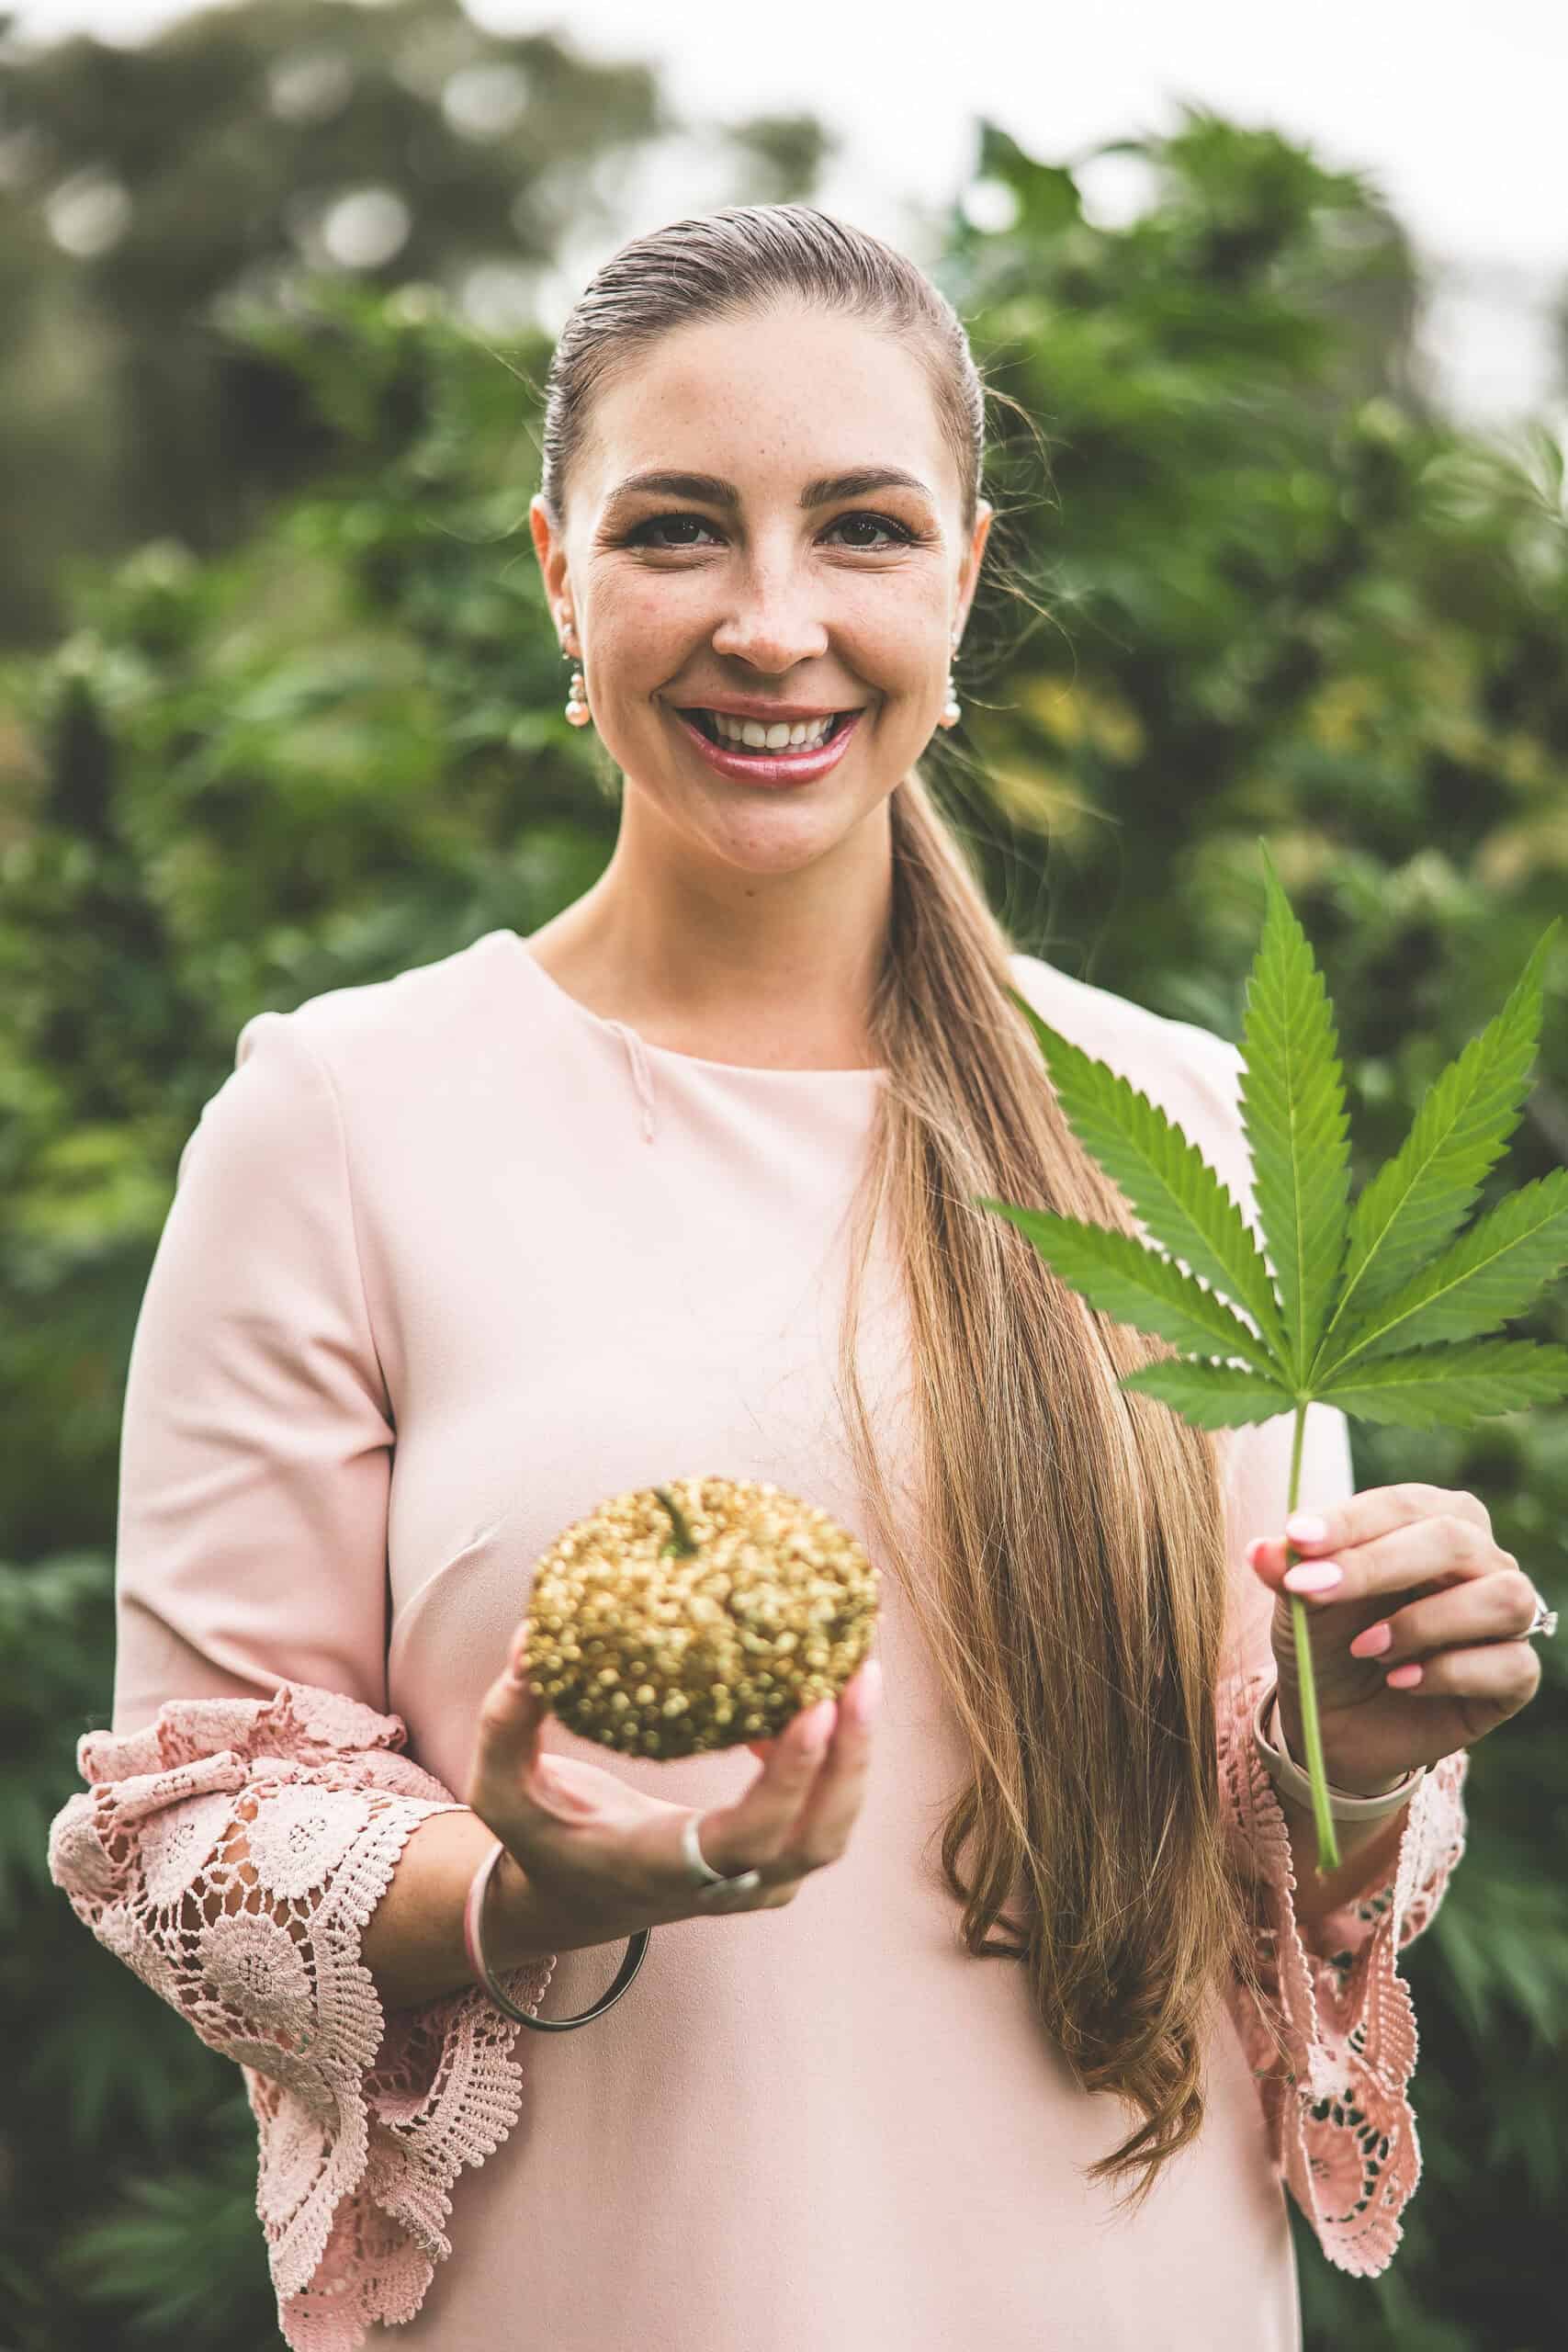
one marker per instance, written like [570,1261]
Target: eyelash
[903,535]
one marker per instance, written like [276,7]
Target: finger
[1269,1556]
[1495,1608]
[511,1770]
[1498,1677]
[796,1728]
[1322,1529]
[511,1709]
[1437,1551]
[756,1828]
[822,1832]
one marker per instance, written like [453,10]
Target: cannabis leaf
[1411,1206]
[1492,1271]
[1293,1106]
[1170,1185]
[1360,1307]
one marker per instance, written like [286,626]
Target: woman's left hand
[1422,1592]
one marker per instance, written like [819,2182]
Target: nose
[773,623]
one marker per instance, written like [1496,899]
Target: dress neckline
[872,1071]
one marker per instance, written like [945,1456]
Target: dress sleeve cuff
[231,1854]
[1334,2046]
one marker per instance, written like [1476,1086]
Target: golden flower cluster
[697,1615]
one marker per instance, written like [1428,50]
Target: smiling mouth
[704,722]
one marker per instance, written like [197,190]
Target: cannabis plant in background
[1361,1307]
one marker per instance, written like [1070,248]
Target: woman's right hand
[603,1858]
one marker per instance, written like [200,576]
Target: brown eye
[666,522]
[901,538]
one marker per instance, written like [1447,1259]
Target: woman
[457,1255]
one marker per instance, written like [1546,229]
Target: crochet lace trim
[1341,2127]
[232,1852]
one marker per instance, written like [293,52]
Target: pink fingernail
[1305,1527]
[1373,1642]
[866,1692]
[1313,1575]
[1402,1678]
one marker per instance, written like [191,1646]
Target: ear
[970,574]
[551,549]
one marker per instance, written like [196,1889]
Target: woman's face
[690,598]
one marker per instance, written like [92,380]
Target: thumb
[514,1710]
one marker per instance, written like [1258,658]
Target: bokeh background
[1285,555]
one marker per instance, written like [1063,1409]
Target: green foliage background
[280,710]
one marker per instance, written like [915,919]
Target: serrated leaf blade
[1408,1210]
[1495,1271]
[1453,1386]
[1169,1185]
[1292,1109]
[1212,1395]
[1117,1275]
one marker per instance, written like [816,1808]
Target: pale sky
[1457,111]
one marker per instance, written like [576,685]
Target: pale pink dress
[451,1260]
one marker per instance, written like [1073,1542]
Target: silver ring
[715,1892]
[1543,1622]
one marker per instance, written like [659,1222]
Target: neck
[768,971]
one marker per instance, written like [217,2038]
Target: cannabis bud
[697,1615]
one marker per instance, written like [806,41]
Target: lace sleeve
[1341,2126]
[231,1854]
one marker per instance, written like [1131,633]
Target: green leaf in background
[1491,1272]
[1456,1385]
[1293,1113]
[1414,1203]
[1117,1275]
[1170,1186]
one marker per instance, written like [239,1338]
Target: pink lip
[781,767]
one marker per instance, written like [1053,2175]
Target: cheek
[643,636]
[900,634]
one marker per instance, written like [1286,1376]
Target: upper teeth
[780,736]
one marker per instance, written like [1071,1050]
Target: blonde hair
[1075,1603]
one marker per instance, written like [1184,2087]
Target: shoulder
[363,1051]
[359,1057]
[1155,1053]
[424,1009]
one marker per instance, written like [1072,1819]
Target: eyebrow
[711,490]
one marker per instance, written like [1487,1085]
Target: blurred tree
[1270,590]
[149,196]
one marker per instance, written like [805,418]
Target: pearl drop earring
[577,709]
[952,713]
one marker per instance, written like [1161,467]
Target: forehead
[768,400]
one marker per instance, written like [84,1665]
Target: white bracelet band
[1288,1776]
